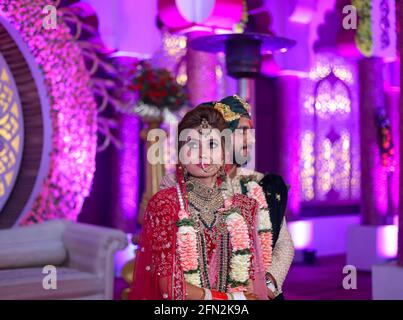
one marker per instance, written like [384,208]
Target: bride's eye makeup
[213,144]
[193,144]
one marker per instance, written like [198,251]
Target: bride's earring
[221,173]
[185,173]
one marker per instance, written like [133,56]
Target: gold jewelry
[205,127]
[226,112]
[185,173]
[243,102]
[204,202]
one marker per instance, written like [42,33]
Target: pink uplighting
[386,241]
[396,220]
[302,234]
[123,256]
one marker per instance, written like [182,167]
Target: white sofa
[82,254]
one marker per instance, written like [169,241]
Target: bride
[199,241]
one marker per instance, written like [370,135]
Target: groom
[236,113]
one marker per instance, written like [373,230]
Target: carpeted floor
[324,281]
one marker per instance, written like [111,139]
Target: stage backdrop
[47,117]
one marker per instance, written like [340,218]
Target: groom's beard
[240,159]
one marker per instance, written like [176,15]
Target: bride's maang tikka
[205,127]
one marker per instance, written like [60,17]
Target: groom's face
[243,139]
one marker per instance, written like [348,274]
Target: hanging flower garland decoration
[157,91]
[239,239]
[385,139]
[363,37]
[187,244]
[384,23]
[254,190]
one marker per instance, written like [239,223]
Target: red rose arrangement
[157,87]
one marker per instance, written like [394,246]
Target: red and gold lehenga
[159,273]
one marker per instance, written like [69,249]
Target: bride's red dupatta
[158,274]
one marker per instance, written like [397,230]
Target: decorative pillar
[370,242]
[246,90]
[374,191]
[126,167]
[400,233]
[400,230]
[392,95]
[154,172]
[288,135]
[201,74]
[387,279]
[278,134]
[373,242]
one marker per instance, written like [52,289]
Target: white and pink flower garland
[241,254]
[264,223]
[187,244]
[240,242]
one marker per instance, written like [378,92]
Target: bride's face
[202,154]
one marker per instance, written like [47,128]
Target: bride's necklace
[204,202]
[233,275]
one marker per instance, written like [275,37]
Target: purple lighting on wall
[330,164]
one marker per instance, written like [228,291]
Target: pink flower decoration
[239,233]
[256,193]
[183,214]
[74,138]
[266,239]
[227,203]
[188,251]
